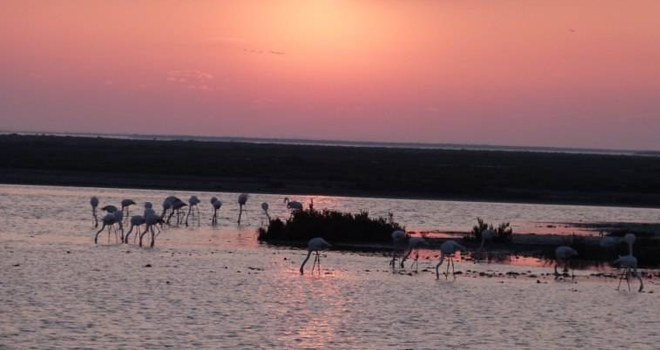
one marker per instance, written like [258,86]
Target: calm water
[216,288]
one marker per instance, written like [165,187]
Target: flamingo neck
[309,253]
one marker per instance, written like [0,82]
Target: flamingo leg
[620,280]
[153,237]
[628,278]
[319,264]
[453,271]
[448,265]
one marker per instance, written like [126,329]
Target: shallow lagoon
[210,288]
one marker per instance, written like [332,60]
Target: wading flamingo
[151,221]
[414,243]
[486,236]
[94,201]
[177,204]
[629,265]
[264,207]
[216,203]
[399,238]
[192,208]
[109,221]
[447,251]
[630,240]
[124,206]
[242,200]
[314,245]
[136,221]
[563,255]
[293,205]
[109,209]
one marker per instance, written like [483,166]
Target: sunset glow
[560,73]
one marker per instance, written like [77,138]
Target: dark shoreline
[464,175]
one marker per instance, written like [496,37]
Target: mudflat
[508,176]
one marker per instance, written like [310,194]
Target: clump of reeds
[503,232]
[332,225]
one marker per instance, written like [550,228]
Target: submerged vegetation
[331,225]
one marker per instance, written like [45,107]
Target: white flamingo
[192,208]
[242,200]
[399,238]
[563,255]
[414,244]
[94,202]
[315,245]
[216,203]
[629,264]
[136,222]
[447,251]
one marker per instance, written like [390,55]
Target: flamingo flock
[403,245]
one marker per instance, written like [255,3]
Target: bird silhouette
[264,207]
[242,200]
[125,204]
[486,236]
[151,221]
[414,244]
[109,221]
[447,251]
[399,239]
[94,202]
[216,203]
[315,245]
[136,222]
[629,265]
[192,208]
[293,205]
[563,255]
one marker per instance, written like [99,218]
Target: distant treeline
[332,170]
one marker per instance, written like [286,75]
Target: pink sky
[534,73]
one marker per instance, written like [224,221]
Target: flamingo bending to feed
[414,243]
[109,221]
[109,209]
[124,206]
[486,236]
[94,201]
[447,251]
[293,205]
[242,200]
[192,208]
[563,254]
[216,203]
[136,221]
[315,245]
[151,221]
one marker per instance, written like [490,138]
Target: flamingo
[109,220]
[398,239]
[447,250]
[264,206]
[315,245]
[94,201]
[630,240]
[192,205]
[242,199]
[563,254]
[293,205]
[628,263]
[136,221]
[216,206]
[109,209]
[414,243]
[124,205]
[151,221]
[175,205]
[486,236]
